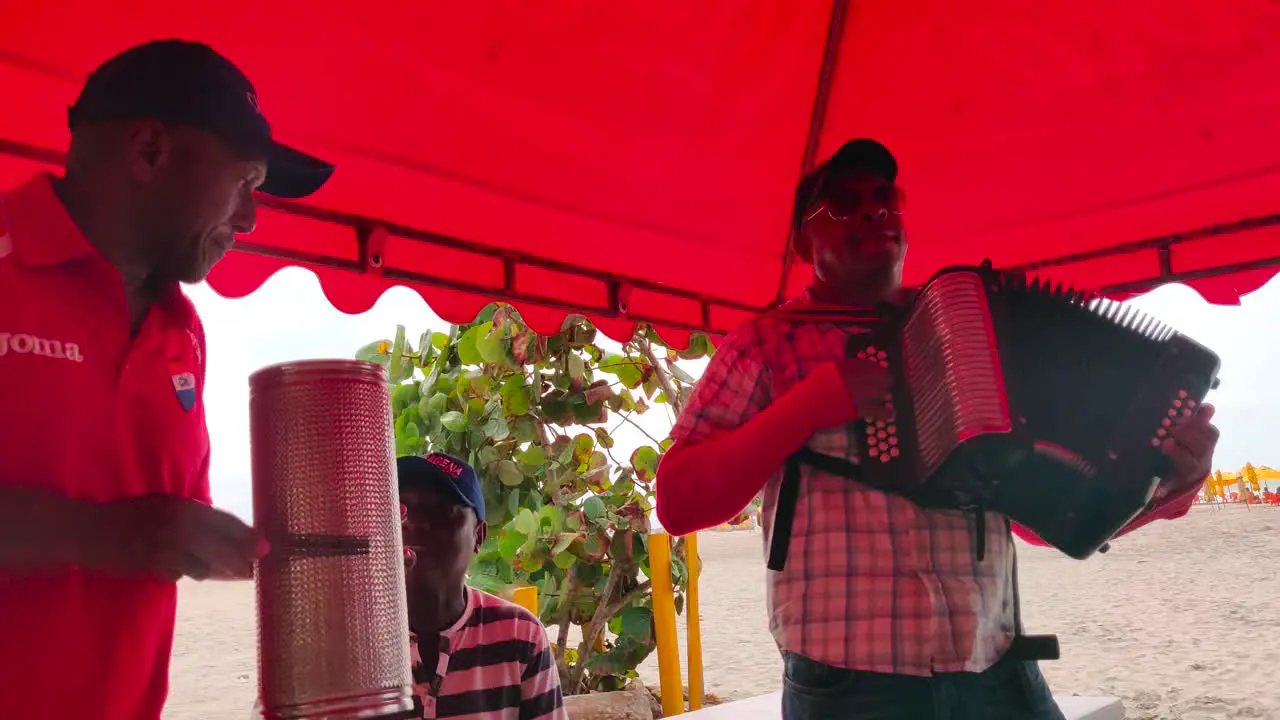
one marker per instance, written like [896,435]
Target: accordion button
[893,441]
[893,428]
[884,458]
[1166,422]
[873,451]
[1191,403]
[1155,442]
[894,452]
[882,434]
[1161,432]
[1177,403]
[1186,412]
[1182,394]
[1173,413]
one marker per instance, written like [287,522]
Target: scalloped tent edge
[353,284]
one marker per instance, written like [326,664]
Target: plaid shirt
[872,582]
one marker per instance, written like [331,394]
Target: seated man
[474,655]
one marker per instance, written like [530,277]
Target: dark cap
[859,154]
[188,83]
[452,477]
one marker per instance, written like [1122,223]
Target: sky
[290,319]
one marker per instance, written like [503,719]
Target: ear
[150,148]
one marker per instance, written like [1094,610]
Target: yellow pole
[527,598]
[693,622]
[664,622]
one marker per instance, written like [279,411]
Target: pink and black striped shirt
[872,582]
[494,664]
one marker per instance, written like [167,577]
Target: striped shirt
[872,581]
[495,664]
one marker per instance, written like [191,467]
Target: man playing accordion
[885,610]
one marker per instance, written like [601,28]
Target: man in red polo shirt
[104,452]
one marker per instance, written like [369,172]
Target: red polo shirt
[92,414]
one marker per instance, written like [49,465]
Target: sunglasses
[870,203]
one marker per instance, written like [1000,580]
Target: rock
[630,704]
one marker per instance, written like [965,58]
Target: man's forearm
[703,484]
[39,528]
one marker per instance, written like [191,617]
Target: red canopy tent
[635,160]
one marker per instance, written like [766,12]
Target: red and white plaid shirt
[872,581]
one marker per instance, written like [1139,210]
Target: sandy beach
[1181,620]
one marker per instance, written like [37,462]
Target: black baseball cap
[452,477]
[859,154]
[189,83]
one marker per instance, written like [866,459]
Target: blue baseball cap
[446,473]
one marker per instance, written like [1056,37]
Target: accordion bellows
[333,633]
[1041,403]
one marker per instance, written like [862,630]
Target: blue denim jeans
[1008,690]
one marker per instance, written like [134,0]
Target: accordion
[1041,403]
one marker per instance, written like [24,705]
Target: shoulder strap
[784,514]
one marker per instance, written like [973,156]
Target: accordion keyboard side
[951,365]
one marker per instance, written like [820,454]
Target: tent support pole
[817,118]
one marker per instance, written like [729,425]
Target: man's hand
[867,385]
[168,538]
[1190,446]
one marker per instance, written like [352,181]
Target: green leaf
[603,438]
[468,353]
[515,395]
[486,313]
[526,522]
[376,352]
[645,462]
[637,623]
[535,455]
[487,456]
[594,509]
[454,421]
[434,406]
[681,375]
[526,431]
[509,474]
[567,453]
[509,544]
[400,366]
[475,411]
[489,344]
[583,445]
[550,519]
[628,370]
[564,560]
[577,370]
[563,541]
[513,502]
[439,340]
[496,428]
